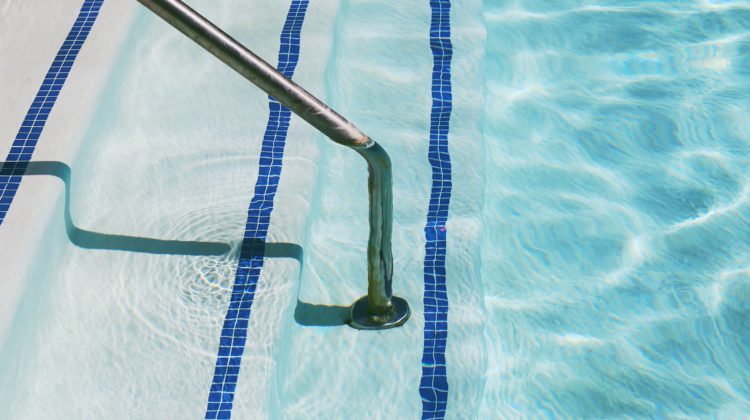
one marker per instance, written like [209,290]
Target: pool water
[598,246]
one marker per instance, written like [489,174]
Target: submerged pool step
[234,331]
[36,117]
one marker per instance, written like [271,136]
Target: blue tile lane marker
[234,331]
[36,117]
[434,385]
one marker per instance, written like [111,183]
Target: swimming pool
[577,184]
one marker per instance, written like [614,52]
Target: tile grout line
[36,117]
[234,330]
[433,387]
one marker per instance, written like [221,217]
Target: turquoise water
[615,238]
[598,258]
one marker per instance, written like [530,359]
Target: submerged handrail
[379,309]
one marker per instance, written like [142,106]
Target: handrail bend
[379,309]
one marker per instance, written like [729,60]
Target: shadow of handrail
[306,314]
[312,315]
[95,240]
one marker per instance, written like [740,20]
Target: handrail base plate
[362,320]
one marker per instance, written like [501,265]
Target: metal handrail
[379,309]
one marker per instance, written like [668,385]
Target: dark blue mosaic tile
[36,117]
[234,330]
[433,387]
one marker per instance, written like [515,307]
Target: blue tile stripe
[36,117]
[434,385]
[234,331]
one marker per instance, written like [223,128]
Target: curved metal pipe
[379,309]
[258,71]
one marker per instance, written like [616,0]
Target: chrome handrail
[379,309]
